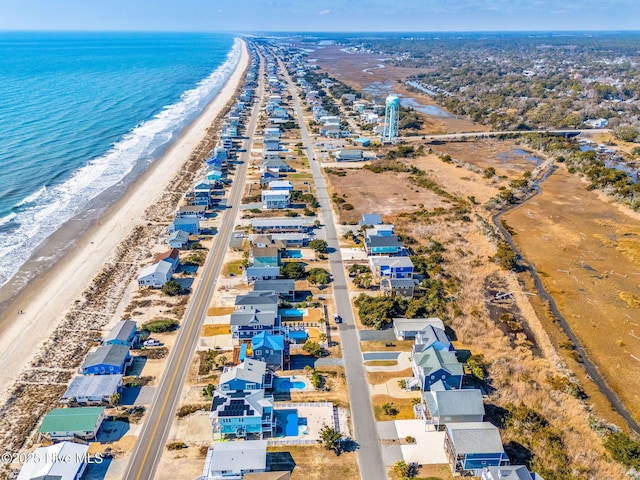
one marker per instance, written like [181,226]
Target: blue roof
[371,219]
[263,339]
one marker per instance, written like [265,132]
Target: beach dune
[30,318]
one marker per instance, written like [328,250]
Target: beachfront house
[122,333]
[72,423]
[199,211]
[438,407]
[92,389]
[275,199]
[397,287]
[471,447]
[156,275]
[252,274]
[61,461]
[242,415]
[107,360]
[383,230]
[250,375]
[408,328]
[172,257]
[269,348]
[178,239]
[191,225]
[431,366]
[431,337]
[234,460]
[370,219]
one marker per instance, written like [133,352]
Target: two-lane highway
[366,434]
[150,445]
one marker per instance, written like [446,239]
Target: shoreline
[90,240]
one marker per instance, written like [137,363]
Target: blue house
[250,375]
[382,245]
[473,446]
[123,333]
[190,225]
[246,324]
[241,415]
[371,219]
[431,336]
[431,366]
[268,348]
[391,267]
[265,256]
[106,360]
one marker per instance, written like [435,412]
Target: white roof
[93,386]
[239,456]
[275,193]
[281,183]
[41,463]
[416,324]
[161,267]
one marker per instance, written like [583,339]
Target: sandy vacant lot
[588,254]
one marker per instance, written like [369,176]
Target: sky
[319,15]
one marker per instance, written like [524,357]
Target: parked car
[337,318]
[151,342]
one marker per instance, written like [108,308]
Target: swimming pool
[292,312]
[286,384]
[293,254]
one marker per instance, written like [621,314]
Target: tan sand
[49,295]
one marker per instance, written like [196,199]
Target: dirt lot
[314,462]
[588,253]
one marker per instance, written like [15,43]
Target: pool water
[286,384]
[294,254]
[292,312]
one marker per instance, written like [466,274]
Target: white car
[151,342]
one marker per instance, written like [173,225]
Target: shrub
[159,326]
[478,366]
[389,409]
[319,276]
[312,348]
[294,270]
[185,410]
[194,259]
[172,288]
[318,245]
[623,449]
[176,446]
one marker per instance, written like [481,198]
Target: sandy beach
[47,298]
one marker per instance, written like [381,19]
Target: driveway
[367,356]
[381,335]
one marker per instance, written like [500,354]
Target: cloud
[324,12]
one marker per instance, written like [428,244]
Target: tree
[404,470]
[478,366]
[319,246]
[331,439]
[505,256]
[389,409]
[115,398]
[319,276]
[312,348]
[221,361]
[294,270]
[172,288]
[626,133]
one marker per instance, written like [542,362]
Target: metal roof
[250,370]
[263,339]
[416,324]
[371,219]
[93,386]
[61,461]
[510,472]
[239,456]
[383,241]
[280,221]
[253,318]
[283,285]
[107,354]
[391,261]
[432,360]
[123,330]
[81,419]
[475,437]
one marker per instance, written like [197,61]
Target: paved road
[366,433]
[151,441]
[459,136]
[587,364]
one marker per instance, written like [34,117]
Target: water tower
[391,118]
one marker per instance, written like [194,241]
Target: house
[122,333]
[246,324]
[242,414]
[198,211]
[268,476]
[434,365]
[247,376]
[72,423]
[92,389]
[252,274]
[275,199]
[285,288]
[382,245]
[506,472]
[281,185]
[431,336]
[61,461]
[473,446]
[233,460]
[257,302]
[440,407]
[268,348]
[397,287]
[408,328]
[172,257]
[263,241]
[370,219]
[391,267]
[279,224]
[277,163]
[156,275]
[383,230]
[271,145]
[265,256]
[106,360]
[178,239]
[349,155]
[191,225]
[331,131]
[291,239]
[362,141]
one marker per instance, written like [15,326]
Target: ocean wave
[41,213]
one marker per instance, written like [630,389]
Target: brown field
[426,472]
[381,363]
[217,311]
[314,462]
[387,194]
[211,330]
[588,253]
[377,345]
[403,405]
[376,378]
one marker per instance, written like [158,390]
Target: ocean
[80,111]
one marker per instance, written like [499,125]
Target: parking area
[428,448]
[368,356]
